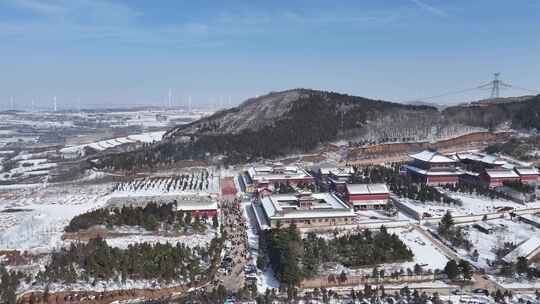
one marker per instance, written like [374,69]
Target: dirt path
[104,297]
[440,246]
[479,280]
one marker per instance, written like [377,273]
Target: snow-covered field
[27,164]
[504,230]
[139,235]
[33,219]
[481,204]
[425,253]
[471,205]
[102,145]
[197,181]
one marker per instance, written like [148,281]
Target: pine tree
[447,221]
[451,270]
[466,270]
[522,265]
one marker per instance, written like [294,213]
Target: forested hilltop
[300,120]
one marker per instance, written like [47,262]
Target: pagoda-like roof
[432,157]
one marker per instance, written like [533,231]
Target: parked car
[481,291]
[458,292]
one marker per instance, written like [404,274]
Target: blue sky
[131,52]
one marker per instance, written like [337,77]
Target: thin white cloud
[39,7]
[105,20]
[430,8]
[78,11]
[287,18]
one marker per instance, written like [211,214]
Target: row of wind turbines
[170,103]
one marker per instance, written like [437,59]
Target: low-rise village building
[529,249]
[336,177]
[530,219]
[367,196]
[433,168]
[303,209]
[339,173]
[197,205]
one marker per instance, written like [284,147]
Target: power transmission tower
[496,85]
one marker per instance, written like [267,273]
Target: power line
[524,89]
[495,86]
[443,94]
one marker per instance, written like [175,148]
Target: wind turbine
[170,98]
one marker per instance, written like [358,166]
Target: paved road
[233,277]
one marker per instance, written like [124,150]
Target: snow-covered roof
[432,157]
[337,170]
[526,170]
[285,206]
[501,174]
[268,174]
[508,166]
[483,225]
[197,207]
[530,218]
[515,161]
[471,156]
[194,203]
[492,160]
[262,220]
[527,249]
[433,172]
[481,157]
[367,189]
[471,173]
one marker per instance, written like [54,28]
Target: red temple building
[527,175]
[367,196]
[433,168]
[497,177]
[270,177]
